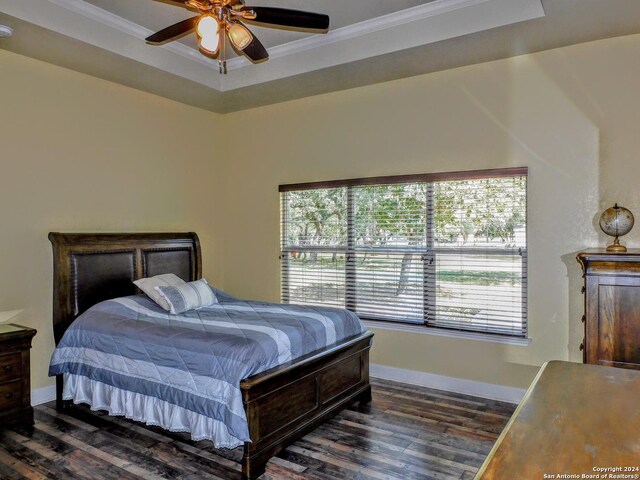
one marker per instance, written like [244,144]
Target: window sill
[483,337]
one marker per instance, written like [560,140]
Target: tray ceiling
[156,15]
[369,41]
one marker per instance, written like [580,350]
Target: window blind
[313,252]
[388,224]
[479,271]
[442,250]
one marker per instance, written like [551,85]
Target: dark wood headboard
[89,268]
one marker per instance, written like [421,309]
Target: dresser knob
[8,396]
[8,368]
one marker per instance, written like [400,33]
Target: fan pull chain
[222,58]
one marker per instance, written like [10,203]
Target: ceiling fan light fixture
[239,36]
[218,19]
[208,30]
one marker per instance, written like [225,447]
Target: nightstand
[15,374]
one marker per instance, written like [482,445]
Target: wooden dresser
[15,373]
[612,308]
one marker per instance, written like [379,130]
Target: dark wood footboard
[286,402]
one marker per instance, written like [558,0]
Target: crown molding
[127,27]
[422,25]
[416,26]
[384,22]
[91,25]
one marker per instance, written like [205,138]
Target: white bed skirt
[149,410]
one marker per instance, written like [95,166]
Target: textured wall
[82,154]
[570,115]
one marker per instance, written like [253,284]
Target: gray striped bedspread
[197,359]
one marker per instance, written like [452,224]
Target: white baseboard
[450,384]
[43,395]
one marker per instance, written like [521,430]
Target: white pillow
[148,286]
[187,296]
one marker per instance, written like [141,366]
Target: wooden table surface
[575,419]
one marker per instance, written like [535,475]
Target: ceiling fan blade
[174,31]
[255,51]
[285,18]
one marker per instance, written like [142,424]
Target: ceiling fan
[221,19]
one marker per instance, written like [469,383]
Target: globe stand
[616,222]
[616,247]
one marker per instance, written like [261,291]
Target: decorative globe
[616,221]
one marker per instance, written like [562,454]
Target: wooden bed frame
[282,404]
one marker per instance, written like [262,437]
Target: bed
[281,404]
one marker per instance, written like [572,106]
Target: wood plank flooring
[407,432]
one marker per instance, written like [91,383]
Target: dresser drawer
[10,367]
[10,395]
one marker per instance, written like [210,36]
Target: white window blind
[443,250]
[314,242]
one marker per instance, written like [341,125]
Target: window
[440,250]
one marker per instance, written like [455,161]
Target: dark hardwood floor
[406,432]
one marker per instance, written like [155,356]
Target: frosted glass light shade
[240,37]
[208,31]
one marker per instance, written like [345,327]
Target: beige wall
[570,115]
[82,154]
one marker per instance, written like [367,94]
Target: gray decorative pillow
[188,296]
[148,286]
